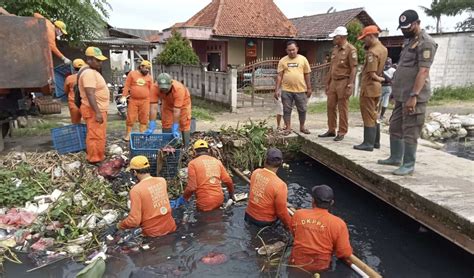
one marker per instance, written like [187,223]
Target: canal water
[463,147]
[387,240]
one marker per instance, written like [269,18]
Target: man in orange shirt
[154,98]
[268,194]
[318,234]
[55,30]
[176,107]
[205,177]
[150,207]
[138,86]
[69,84]
[94,104]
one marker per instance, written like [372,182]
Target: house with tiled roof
[237,32]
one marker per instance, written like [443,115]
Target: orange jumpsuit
[139,88]
[96,132]
[154,98]
[74,111]
[205,177]
[317,235]
[51,29]
[150,208]
[179,97]
[268,197]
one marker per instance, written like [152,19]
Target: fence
[220,87]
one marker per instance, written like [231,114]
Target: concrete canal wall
[440,194]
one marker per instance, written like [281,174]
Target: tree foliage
[451,8]
[435,11]
[178,51]
[85,19]
[354,29]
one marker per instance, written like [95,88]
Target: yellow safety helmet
[95,52]
[138,162]
[78,63]
[61,25]
[146,63]
[200,144]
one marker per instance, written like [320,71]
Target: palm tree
[435,11]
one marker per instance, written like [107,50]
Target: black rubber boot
[369,140]
[396,153]
[409,158]
[377,136]
[186,137]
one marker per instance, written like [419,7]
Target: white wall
[454,60]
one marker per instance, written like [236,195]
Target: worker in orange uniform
[268,194]
[95,97]
[150,207]
[137,86]
[55,30]
[154,99]
[205,177]
[318,233]
[176,107]
[69,84]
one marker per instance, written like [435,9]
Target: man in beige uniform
[340,83]
[411,91]
[294,81]
[371,86]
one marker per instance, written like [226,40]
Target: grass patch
[321,107]
[37,130]
[452,94]
[205,110]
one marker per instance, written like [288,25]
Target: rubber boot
[186,137]
[143,128]
[382,112]
[369,140]
[166,130]
[377,136]
[396,153]
[127,134]
[409,158]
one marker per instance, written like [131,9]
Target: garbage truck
[26,66]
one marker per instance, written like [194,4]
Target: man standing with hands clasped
[411,91]
[340,83]
[293,86]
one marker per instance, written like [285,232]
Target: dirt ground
[116,125]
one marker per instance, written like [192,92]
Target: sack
[77,93]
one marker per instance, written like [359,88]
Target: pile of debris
[440,127]
[58,206]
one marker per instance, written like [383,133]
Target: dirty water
[387,240]
[463,147]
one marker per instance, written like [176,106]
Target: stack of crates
[70,138]
[149,146]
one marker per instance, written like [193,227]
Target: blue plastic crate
[60,74]
[70,138]
[149,146]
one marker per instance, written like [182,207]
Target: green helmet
[164,81]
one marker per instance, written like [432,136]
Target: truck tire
[5,128]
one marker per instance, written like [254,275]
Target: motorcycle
[121,107]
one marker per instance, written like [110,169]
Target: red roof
[243,18]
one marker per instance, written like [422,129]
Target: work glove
[66,61]
[180,201]
[175,131]
[151,128]
[123,100]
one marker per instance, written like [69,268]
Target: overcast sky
[160,14]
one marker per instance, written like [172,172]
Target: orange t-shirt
[69,86]
[268,197]
[137,85]
[51,29]
[178,97]
[317,235]
[150,208]
[205,177]
[91,78]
